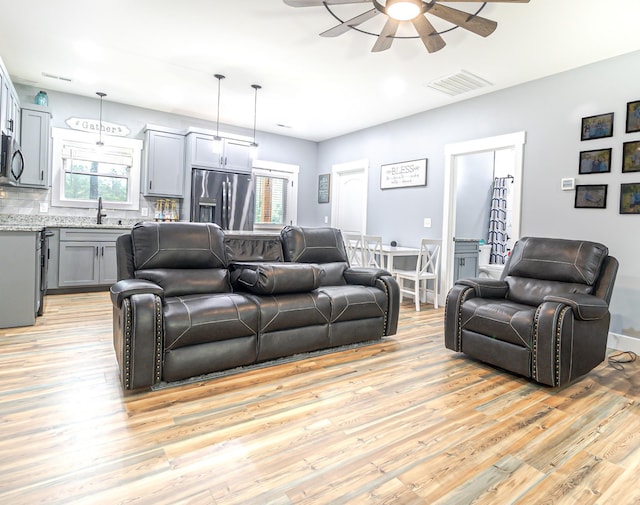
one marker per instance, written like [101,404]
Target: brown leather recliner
[547,318]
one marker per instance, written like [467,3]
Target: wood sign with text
[404,174]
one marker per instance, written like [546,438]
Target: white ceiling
[162,55]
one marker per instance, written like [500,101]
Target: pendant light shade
[99,143]
[217,141]
[403,10]
[254,144]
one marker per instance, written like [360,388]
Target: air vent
[58,77]
[459,83]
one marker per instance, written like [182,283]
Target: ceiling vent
[58,77]
[458,83]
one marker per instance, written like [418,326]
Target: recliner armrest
[584,307]
[128,287]
[364,276]
[486,288]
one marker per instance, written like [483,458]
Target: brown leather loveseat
[192,300]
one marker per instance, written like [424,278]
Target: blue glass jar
[42,98]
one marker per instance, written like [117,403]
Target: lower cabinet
[465,259]
[85,258]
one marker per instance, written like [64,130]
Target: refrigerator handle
[225,212]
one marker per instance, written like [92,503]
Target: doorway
[452,153]
[349,191]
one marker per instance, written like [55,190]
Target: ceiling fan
[414,11]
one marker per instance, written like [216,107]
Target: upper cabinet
[164,162]
[230,154]
[36,145]
[9,105]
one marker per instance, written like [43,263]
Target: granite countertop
[20,222]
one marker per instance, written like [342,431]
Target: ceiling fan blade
[315,3]
[428,34]
[476,24]
[346,26]
[386,35]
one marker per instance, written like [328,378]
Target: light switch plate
[427,222]
[144,212]
[44,207]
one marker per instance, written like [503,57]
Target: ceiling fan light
[403,10]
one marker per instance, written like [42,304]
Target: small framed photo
[631,157]
[591,196]
[597,127]
[595,162]
[633,116]
[630,198]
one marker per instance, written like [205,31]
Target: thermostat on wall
[568,184]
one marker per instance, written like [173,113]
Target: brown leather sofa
[547,318]
[192,300]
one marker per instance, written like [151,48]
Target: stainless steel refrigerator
[225,198]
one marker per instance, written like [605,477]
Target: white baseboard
[623,343]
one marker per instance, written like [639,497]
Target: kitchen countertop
[20,222]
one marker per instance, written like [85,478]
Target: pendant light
[99,143]
[217,140]
[254,145]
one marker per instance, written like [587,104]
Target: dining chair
[427,269]
[372,251]
[353,245]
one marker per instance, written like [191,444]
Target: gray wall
[549,111]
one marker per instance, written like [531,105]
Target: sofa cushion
[313,245]
[351,302]
[574,261]
[188,281]
[276,278]
[198,319]
[178,245]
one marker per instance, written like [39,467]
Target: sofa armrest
[584,307]
[364,276]
[128,287]
[486,288]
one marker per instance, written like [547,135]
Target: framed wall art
[324,188]
[633,116]
[597,127]
[404,174]
[630,198]
[595,162]
[631,157]
[591,196]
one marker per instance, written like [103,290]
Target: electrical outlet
[326,219]
[144,212]
[427,222]
[44,207]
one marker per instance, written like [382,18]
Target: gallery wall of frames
[598,161]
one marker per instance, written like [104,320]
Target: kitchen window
[276,194]
[84,171]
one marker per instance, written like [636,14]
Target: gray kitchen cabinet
[36,141]
[163,162]
[87,257]
[9,105]
[465,259]
[19,278]
[235,154]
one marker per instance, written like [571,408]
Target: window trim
[60,135]
[285,171]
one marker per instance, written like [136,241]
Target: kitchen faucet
[101,212]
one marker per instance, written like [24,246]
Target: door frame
[337,171]
[513,141]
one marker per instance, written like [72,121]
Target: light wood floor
[404,421]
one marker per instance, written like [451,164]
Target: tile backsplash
[27,201]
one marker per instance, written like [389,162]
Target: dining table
[389,252]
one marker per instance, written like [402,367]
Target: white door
[349,196]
